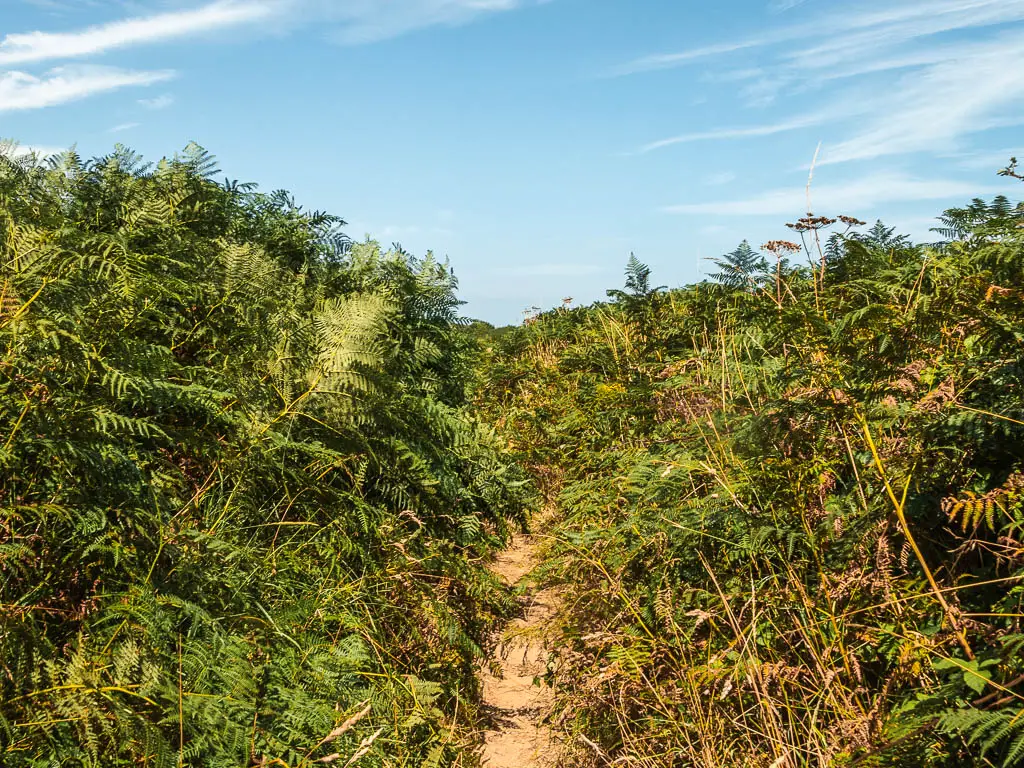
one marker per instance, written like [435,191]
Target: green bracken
[791,501]
[251,474]
[244,507]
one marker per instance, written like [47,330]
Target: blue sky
[537,143]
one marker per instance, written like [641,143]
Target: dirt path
[518,709]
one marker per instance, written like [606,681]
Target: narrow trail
[519,708]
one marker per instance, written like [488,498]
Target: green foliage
[243,500]
[743,268]
[760,478]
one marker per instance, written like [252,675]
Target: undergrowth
[791,501]
[243,506]
[247,492]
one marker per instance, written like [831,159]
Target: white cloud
[780,6]
[366,21]
[960,68]
[123,127]
[852,198]
[718,179]
[859,36]
[356,21]
[851,32]
[931,110]
[159,102]
[769,129]
[20,48]
[668,60]
[988,160]
[21,91]
[23,150]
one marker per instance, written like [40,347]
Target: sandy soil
[518,709]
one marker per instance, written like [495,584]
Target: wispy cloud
[931,110]
[852,33]
[668,60]
[781,6]
[21,91]
[922,75]
[769,129]
[860,35]
[21,48]
[353,22]
[718,179]
[367,21]
[124,127]
[159,102]
[986,160]
[11,149]
[853,197]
